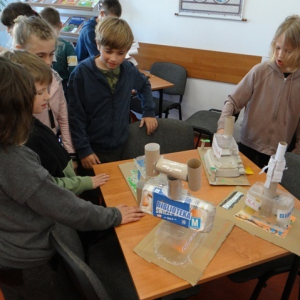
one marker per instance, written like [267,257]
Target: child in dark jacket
[99,94]
[86,45]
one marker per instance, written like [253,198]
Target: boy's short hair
[39,70]
[17,91]
[111,7]
[51,15]
[114,33]
[25,28]
[290,27]
[15,9]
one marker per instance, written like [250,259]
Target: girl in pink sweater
[36,36]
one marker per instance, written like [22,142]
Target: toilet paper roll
[174,188]
[229,125]
[152,155]
[172,168]
[194,174]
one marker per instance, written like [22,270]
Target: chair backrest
[82,275]
[173,73]
[172,136]
[290,178]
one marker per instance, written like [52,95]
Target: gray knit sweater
[31,205]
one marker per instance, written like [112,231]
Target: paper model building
[223,159]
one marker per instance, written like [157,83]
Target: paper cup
[194,174]
[152,155]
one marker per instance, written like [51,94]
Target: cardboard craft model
[267,204]
[223,159]
[161,194]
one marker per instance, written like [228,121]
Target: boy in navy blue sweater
[99,96]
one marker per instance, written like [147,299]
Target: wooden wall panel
[202,64]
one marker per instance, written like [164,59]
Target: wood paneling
[201,64]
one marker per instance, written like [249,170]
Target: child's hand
[151,124]
[220,131]
[88,161]
[130,213]
[99,180]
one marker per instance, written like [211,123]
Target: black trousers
[260,159]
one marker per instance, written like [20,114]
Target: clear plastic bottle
[175,244]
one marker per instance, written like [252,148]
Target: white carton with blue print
[187,211]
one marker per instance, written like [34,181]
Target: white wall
[154,22]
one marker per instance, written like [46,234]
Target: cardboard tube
[229,125]
[280,151]
[152,155]
[172,168]
[194,174]
[174,188]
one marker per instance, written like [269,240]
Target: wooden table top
[239,251]
[157,83]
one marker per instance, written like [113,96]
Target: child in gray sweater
[32,205]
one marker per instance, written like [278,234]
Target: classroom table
[239,251]
[158,84]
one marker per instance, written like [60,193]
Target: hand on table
[88,161]
[130,213]
[99,180]
[151,124]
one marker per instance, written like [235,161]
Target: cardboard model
[267,204]
[223,159]
[164,197]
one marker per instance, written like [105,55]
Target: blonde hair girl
[35,35]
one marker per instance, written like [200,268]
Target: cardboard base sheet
[192,270]
[240,180]
[289,242]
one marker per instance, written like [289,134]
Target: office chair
[83,277]
[291,263]
[172,135]
[206,122]
[173,73]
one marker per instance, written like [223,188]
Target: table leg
[291,278]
